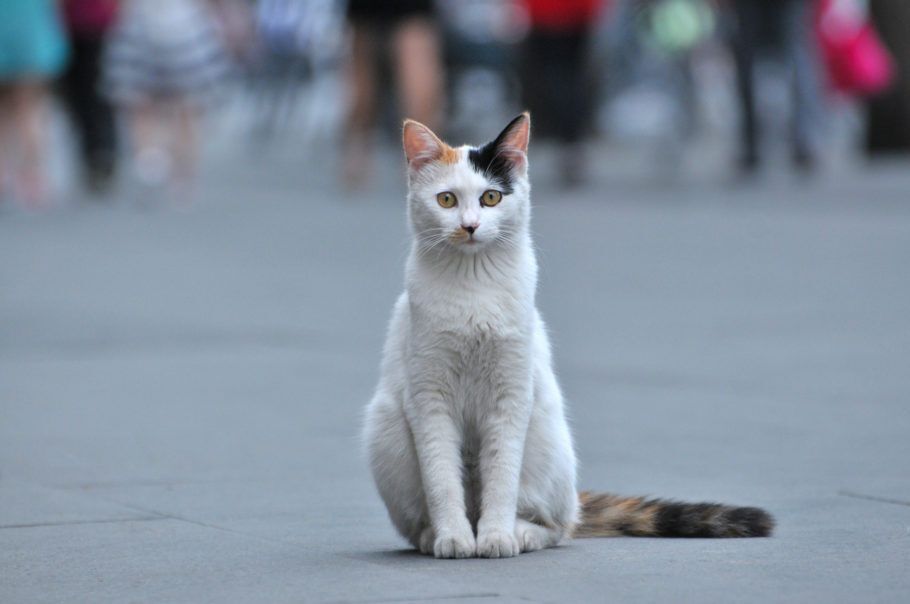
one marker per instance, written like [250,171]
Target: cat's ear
[512,142]
[421,146]
[507,153]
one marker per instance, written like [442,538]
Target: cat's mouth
[471,243]
[463,238]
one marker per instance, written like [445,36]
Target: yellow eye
[447,199]
[490,198]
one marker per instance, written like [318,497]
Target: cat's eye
[447,199]
[490,198]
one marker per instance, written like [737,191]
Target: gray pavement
[180,390]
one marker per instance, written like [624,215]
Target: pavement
[181,388]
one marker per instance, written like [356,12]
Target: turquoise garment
[32,42]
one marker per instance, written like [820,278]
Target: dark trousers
[92,115]
[555,83]
[889,113]
[782,27]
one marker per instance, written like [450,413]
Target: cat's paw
[427,540]
[497,544]
[452,545]
[530,536]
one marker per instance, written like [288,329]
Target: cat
[466,432]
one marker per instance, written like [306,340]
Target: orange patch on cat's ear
[449,155]
[422,146]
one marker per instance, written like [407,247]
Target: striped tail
[605,515]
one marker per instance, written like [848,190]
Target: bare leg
[186,151]
[419,71]
[28,111]
[150,156]
[145,125]
[6,141]
[362,92]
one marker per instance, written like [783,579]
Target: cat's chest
[479,313]
[477,369]
[473,351]
[477,326]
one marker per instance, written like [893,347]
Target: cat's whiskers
[506,238]
[432,242]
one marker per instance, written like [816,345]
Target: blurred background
[111,100]
[202,234]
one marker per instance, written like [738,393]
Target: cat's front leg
[438,443]
[502,448]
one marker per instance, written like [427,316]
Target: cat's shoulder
[401,310]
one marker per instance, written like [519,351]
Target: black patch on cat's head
[492,163]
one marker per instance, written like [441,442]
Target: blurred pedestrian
[557,82]
[405,30]
[783,27]
[88,21]
[32,51]
[165,64]
[651,89]
[297,42]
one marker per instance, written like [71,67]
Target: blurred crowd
[136,77]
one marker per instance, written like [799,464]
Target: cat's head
[468,198]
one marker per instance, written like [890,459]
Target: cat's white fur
[466,433]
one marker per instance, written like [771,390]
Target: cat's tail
[605,515]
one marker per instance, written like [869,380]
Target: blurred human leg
[92,115]
[572,110]
[361,76]
[623,46]
[152,162]
[555,83]
[419,70]
[186,148]
[27,107]
[748,15]
[799,46]
[6,143]
[143,125]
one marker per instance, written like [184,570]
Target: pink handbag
[857,61]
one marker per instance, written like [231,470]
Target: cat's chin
[471,246]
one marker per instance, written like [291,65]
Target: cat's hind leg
[547,497]
[396,470]
[393,460]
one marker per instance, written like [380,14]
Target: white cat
[466,433]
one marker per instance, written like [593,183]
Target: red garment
[90,17]
[563,14]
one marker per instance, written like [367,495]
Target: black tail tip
[747,522]
[675,519]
